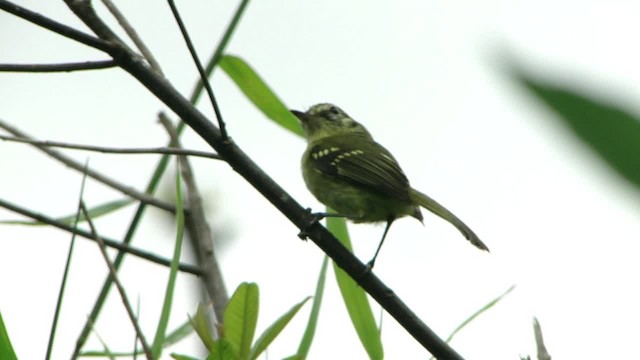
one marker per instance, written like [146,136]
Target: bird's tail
[433,206]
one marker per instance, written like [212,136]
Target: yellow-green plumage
[345,169]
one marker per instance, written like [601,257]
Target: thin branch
[133,35]
[203,75]
[109,242]
[110,150]
[116,280]
[200,232]
[217,54]
[63,67]
[91,173]
[55,26]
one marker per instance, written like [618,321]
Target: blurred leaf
[183,357]
[259,93]
[272,331]
[200,325]
[488,306]
[6,350]
[222,350]
[309,332]
[613,133]
[94,212]
[178,334]
[241,317]
[159,339]
[355,298]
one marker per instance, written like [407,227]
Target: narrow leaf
[259,93]
[94,212]
[355,298]
[161,329]
[200,325]
[488,306]
[182,357]
[610,131]
[309,332]
[6,349]
[178,334]
[272,331]
[240,319]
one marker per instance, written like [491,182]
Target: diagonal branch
[111,150]
[109,242]
[75,66]
[91,173]
[116,280]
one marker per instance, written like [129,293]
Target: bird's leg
[384,235]
[317,216]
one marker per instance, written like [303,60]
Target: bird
[359,179]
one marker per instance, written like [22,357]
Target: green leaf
[5,343]
[94,212]
[355,298]
[178,334]
[612,132]
[182,357]
[240,319]
[259,93]
[272,331]
[309,332]
[222,350]
[488,306]
[200,325]
[161,329]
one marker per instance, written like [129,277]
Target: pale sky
[427,80]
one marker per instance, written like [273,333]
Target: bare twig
[110,243]
[91,173]
[203,75]
[75,66]
[116,280]
[200,232]
[133,35]
[110,150]
[217,54]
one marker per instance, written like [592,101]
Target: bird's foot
[315,217]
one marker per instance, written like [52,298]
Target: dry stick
[202,238]
[92,173]
[116,280]
[110,150]
[133,35]
[242,164]
[75,66]
[109,242]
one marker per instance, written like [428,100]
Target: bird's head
[324,120]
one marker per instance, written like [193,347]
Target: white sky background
[425,77]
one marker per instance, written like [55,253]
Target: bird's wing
[366,163]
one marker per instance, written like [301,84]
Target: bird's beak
[302,116]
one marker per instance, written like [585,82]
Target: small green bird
[345,169]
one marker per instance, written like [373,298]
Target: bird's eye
[334,110]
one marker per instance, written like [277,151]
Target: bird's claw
[315,217]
